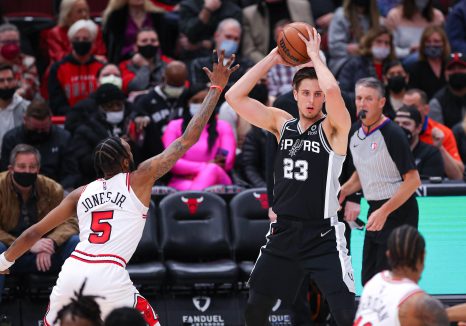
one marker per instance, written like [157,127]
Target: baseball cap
[456,58]
[410,112]
[108,93]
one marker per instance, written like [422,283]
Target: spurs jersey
[306,173]
[111,220]
[381,299]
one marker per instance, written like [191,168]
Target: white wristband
[4,263]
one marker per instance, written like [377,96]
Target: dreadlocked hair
[83,306]
[108,155]
[406,247]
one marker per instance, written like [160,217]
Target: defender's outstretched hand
[220,71]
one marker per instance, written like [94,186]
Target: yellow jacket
[48,194]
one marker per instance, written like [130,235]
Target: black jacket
[114,31]
[160,110]
[196,30]
[86,137]
[253,157]
[58,161]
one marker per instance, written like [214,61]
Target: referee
[386,172]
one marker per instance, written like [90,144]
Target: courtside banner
[204,310]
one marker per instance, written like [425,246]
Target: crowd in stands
[137,74]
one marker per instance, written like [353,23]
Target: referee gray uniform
[381,158]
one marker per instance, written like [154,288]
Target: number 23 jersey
[306,173]
[111,218]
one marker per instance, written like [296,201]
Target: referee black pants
[374,258]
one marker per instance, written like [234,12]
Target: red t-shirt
[449,142]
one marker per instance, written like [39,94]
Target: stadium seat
[195,239]
[250,224]
[145,267]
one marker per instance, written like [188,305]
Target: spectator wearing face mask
[199,20]
[74,77]
[437,134]
[227,38]
[12,106]
[24,66]
[376,49]
[208,162]
[407,21]
[109,118]
[395,79]
[158,107]
[448,105]
[428,73]
[25,198]
[107,74]
[428,160]
[58,161]
[146,67]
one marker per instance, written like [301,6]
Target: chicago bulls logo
[192,203]
[263,199]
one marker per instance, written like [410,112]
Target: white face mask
[172,91]
[114,118]
[194,108]
[111,79]
[380,52]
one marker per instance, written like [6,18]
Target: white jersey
[111,220]
[381,299]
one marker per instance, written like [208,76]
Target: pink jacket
[196,157]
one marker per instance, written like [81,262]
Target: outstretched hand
[221,72]
[313,44]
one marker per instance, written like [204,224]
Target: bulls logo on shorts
[143,306]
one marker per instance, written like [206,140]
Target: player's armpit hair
[430,311]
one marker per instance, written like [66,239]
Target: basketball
[290,47]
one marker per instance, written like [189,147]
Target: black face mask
[25,179]
[6,94]
[396,84]
[457,81]
[148,51]
[409,135]
[34,137]
[82,47]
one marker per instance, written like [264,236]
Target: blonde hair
[428,32]
[65,9]
[118,4]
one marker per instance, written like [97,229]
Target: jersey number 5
[102,229]
[289,165]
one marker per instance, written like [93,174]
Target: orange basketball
[291,48]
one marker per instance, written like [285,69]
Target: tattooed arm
[422,309]
[152,169]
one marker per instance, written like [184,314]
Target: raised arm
[253,111]
[152,169]
[338,122]
[34,233]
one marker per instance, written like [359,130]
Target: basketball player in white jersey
[393,298]
[111,213]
